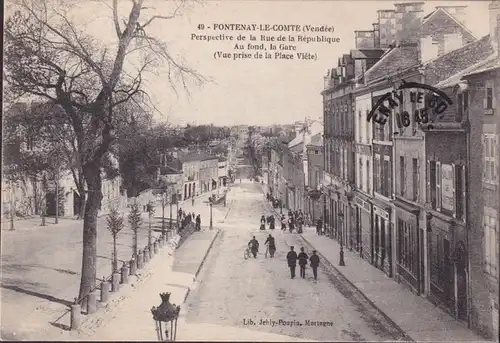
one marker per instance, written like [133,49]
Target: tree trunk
[115,256]
[150,233]
[89,256]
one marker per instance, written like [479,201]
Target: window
[431,184]
[412,118]
[462,105]
[368,189]
[360,177]
[490,243]
[407,242]
[438,186]
[376,174]
[360,127]
[387,188]
[489,98]
[460,195]
[489,158]
[368,126]
[402,176]
[415,176]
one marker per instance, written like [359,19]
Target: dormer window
[489,100]
[462,105]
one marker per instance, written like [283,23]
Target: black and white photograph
[250,170]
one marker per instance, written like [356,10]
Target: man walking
[303,262]
[291,258]
[319,226]
[271,245]
[314,259]
[254,246]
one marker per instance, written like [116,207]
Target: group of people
[186,218]
[269,220]
[292,258]
[296,220]
[253,245]
[302,258]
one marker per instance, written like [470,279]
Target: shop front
[409,246]
[363,220]
[448,265]
[381,247]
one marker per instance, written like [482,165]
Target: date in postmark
[433,102]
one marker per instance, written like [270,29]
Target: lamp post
[211,226]
[341,220]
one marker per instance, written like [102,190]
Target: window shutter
[438,186]
[485,164]
[453,167]
[464,193]
[417,191]
[428,187]
[494,160]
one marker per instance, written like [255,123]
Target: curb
[406,337]
[201,264]
[206,254]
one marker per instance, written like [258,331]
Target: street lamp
[211,226]
[341,220]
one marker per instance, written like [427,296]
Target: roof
[397,59]
[447,65]
[443,10]
[317,140]
[167,170]
[490,65]
[190,157]
[297,140]
[475,68]
[222,159]
[367,53]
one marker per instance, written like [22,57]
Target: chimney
[364,39]
[458,12]
[376,35]
[326,79]
[428,49]
[452,42]
[387,27]
[494,9]
[409,17]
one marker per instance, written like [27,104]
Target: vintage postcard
[250,170]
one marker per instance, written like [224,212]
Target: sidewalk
[131,319]
[415,315]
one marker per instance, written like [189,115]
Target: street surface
[257,295]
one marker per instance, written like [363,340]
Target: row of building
[405,172]
[189,173]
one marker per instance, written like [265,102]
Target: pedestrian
[283,223]
[263,222]
[291,259]
[291,224]
[198,222]
[319,226]
[192,201]
[314,260]
[271,245]
[271,222]
[254,246]
[302,262]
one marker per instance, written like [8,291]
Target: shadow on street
[38,295]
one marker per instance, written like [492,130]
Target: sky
[250,91]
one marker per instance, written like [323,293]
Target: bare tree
[114,224]
[49,54]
